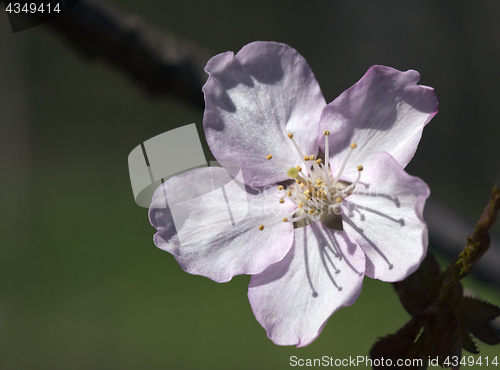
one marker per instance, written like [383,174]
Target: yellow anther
[311,211]
[285,219]
[280,187]
[282,200]
[299,168]
[269,156]
[306,158]
[300,205]
[261,227]
[301,185]
[318,161]
[360,168]
[292,172]
[288,194]
[326,132]
[290,135]
[308,198]
[307,192]
[338,200]
[353,146]
[311,157]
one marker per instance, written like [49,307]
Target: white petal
[294,298]
[384,111]
[253,100]
[384,216]
[210,223]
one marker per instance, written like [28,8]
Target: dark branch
[159,62]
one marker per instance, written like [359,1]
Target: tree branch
[158,61]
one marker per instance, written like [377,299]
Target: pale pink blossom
[307,236]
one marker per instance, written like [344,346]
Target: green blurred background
[82,284]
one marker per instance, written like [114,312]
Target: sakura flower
[319,197]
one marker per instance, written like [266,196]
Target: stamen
[284,219]
[276,162]
[346,190]
[327,157]
[300,171]
[301,155]
[315,165]
[353,146]
[298,218]
[328,195]
[314,191]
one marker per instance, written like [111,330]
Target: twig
[446,229]
[477,244]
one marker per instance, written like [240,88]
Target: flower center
[316,194]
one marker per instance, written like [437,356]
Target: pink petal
[384,111]
[210,223]
[294,298]
[253,100]
[384,216]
